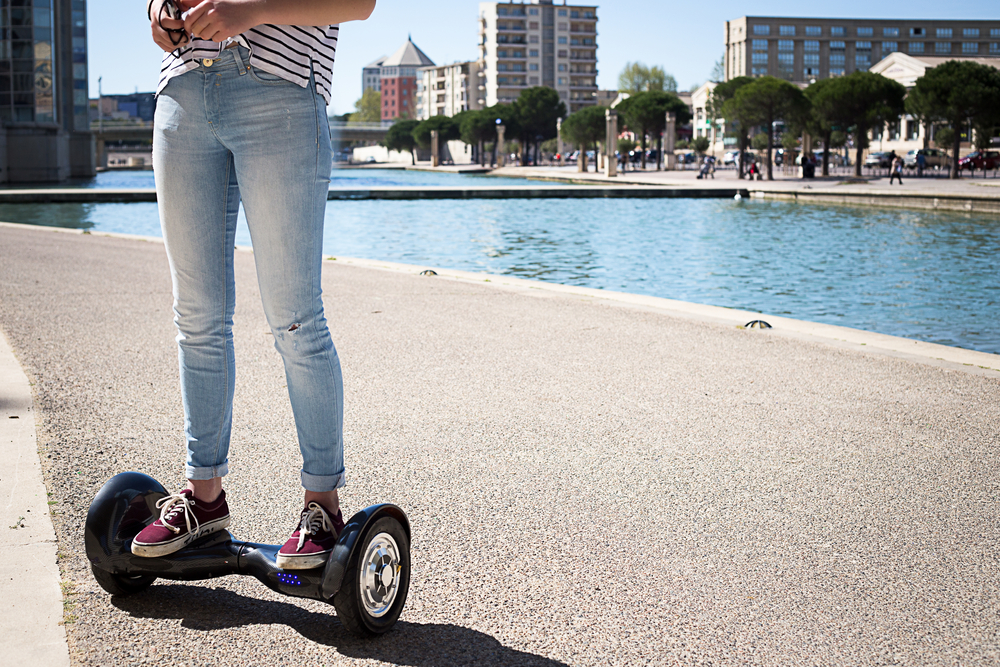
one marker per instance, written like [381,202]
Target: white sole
[167,548]
[302,562]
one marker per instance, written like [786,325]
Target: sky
[685,38]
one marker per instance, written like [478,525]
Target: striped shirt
[291,52]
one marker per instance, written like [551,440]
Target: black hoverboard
[366,577]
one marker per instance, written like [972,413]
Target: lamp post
[611,143]
[501,155]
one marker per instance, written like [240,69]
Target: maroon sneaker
[183,519]
[311,543]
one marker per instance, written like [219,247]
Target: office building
[44,105]
[447,90]
[804,50]
[398,81]
[371,75]
[537,44]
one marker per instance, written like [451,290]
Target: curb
[31,601]
[931,354]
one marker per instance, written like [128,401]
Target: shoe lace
[314,519]
[173,504]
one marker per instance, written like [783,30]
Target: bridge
[143,135]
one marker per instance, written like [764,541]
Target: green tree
[368,109]
[585,128]
[476,129]
[822,116]
[957,92]
[721,94]
[718,69]
[399,137]
[637,78]
[701,144]
[944,138]
[767,100]
[447,131]
[645,115]
[538,109]
[861,101]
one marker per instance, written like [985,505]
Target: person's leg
[198,201]
[281,144]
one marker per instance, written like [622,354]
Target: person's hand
[218,20]
[157,25]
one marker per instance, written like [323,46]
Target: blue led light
[289,579]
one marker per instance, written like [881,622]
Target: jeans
[225,132]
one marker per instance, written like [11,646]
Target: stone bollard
[669,136]
[501,151]
[434,148]
[560,146]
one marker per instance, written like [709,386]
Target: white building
[447,90]
[370,75]
[523,45]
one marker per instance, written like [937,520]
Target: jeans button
[207,62]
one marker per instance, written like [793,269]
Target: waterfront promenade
[590,480]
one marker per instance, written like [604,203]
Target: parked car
[935,158]
[880,160]
[981,160]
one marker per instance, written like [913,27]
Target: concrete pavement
[591,480]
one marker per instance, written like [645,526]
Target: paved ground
[589,483]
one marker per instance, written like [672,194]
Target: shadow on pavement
[202,608]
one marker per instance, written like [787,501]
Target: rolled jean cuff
[323,483]
[210,472]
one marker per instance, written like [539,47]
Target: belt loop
[239,59]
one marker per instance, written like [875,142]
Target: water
[925,275]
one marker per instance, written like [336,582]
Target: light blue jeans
[222,133]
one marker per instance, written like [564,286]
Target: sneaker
[311,543]
[183,519]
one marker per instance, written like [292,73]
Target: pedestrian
[921,163]
[896,169]
[241,115]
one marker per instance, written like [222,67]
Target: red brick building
[398,81]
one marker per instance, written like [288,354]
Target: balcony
[583,56]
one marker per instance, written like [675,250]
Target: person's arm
[218,20]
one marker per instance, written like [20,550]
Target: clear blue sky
[685,38]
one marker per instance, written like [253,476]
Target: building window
[562,40]
[994,48]
[862,55]
[912,130]
[533,53]
[837,31]
[562,67]
[786,45]
[762,30]
[838,59]
[501,11]
[942,47]
[944,33]
[836,71]
[533,67]
[533,11]
[563,12]
[865,32]
[534,80]
[562,26]
[970,32]
[994,32]
[759,44]
[562,81]
[786,65]
[811,60]
[813,31]
[889,47]
[916,47]
[786,30]
[917,32]
[970,47]
[759,58]
[810,46]
[890,32]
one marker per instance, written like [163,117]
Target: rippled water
[924,275]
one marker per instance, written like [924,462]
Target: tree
[538,110]
[700,145]
[646,115]
[957,93]
[446,127]
[767,100]
[822,116]
[718,70]
[368,109]
[585,128]
[637,78]
[399,137]
[721,94]
[476,128]
[864,100]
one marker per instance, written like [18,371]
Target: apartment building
[804,50]
[523,45]
[447,90]
[398,81]
[371,75]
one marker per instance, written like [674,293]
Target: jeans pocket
[267,78]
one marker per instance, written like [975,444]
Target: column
[611,143]
[669,137]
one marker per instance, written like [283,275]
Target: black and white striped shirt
[291,52]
